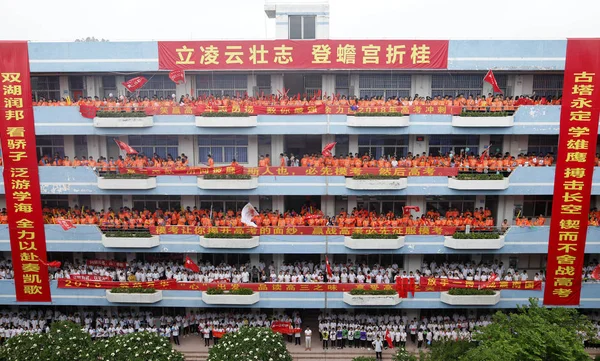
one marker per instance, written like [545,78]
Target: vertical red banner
[21,178]
[574,171]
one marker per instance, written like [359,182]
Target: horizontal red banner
[430,284]
[159,285]
[106,263]
[80,277]
[302,54]
[304,231]
[183,170]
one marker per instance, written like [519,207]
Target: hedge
[374,177]
[373,236]
[228,235]
[125,176]
[378,114]
[121,115]
[238,292]
[227,176]
[356,292]
[483,114]
[477,176]
[128,234]
[476,235]
[132,290]
[470,292]
[225,114]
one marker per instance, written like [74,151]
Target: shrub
[364,358]
[403,355]
[241,291]
[140,346]
[227,176]
[225,114]
[214,291]
[356,292]
[125,176]
[477,176]
[121,115]
[374,176]
[472,113]
[228,235]
[378,114]
[476,235]
[373,236]
[250,343]
[128,234]
[470,292]
[132,290]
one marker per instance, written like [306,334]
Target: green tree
[250,343]
[533,333]
[449,350]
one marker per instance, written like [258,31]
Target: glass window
[384,85]
[465,84]
[381,205]
[223,203]
[442,204]
[223,148]
[533,206]
[295,24]
[497,141]
[342,84]
[163,145]
[309,27]
[542,144]
[50,145]
[153,203]
[548,84]
[263,82]
[45,87]
[159,86]
[109,85]
[443,144]
[312,84]
[302,26]
[383,145]
[233,85]
[55,201]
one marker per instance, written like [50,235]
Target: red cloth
[53,264]
[388,338]
[407,209]
[490,78]
[66,224]
[596,273]
[125,147]
[88,111]
[329,273]
[177,76]
[189,264]
[327,149]
[135,83]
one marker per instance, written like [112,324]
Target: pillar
[254,259]
[92,86]
[484,142]
[2,202]
[185,87]
[523,84]
[96,146]
[353,143]
[128,201]
[254,200]
[277,261]
[186,146]
[276,83]
[69,146]
[278,204]
[99,202]
[480,201]
[354,84]
[418,201]
[412,262]
[251,85]
[328,83]
[63,83]
[418,147]
[188,201]
[277,146]
[253,152]
[121,90]
[351,203]
[420,84]
[328,205]
[73,200]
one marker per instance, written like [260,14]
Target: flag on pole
[125,147]
[490,78]
[596,273]
[189,264]
[135,83]
[492,278]
[327,149]
[389,340]
[485,152]
[248,212]
[53,264]
[329,273]
[66,224]
[177,76]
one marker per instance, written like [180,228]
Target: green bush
[225,114]
[364,358]
[128,234]
[403,355]
[228,235]
[470,292]
[214,291]
[139,346]
[373,236]
[250,343]
[478,176]
[241,291]
[227,176]
[597,358]
[237,292]
[374,176]
[378,114]
[125,176]
[132,290]
[121,115]
[472,113]
[476,235]
[356,292]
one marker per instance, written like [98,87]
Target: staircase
[317,354]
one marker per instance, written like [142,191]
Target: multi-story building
[98,69]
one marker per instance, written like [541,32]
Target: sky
[123,20]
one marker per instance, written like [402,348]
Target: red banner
[299,171]
[574,171]
[135,83]
[303,54]
[106,263]
[21,178]
[443,284]
[80,277]
[304,231]
[88,111]
[107,285]
[177,76]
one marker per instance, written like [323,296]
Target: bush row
[227,176]
[477,176]
[121,115]
[476,235]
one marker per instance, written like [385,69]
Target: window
[465,84]
[263,82]
[443,144]
[47,87]
[153,203]
[382,259]
[55,201]
[496,141]
[162,145]
[548,84]
[533,206]
[342,84]
[384,85]
[223,148]
[444,203]
[109,85]
[383,145]
[302,27]
[50,145]
[343,144]
[542,144]
[76,87]
[223,203]
[381,204]
[159,86]
[222,84]
[312,84]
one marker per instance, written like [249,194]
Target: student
[175,331]
[378,346]
[308,339]
[325,337]
[297,335]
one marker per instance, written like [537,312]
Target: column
[2,202]
[484,142]
[73,200]
[480,201]
[69,144]
[418,147]
[420,84]
[254,259]
[121,90]
[186,146]
[353,143]
[351,203]
[130,257]
[328,84]
[276,83]
[253,152]
[188,201]
[277,146]
[128,201]
[99,202]
[92,86]
[328,205]
[418,201]
[185,87]
[96,146]
[355,84]
[277,261]
[63,83]
[278,204]
[412,262]
[251,85]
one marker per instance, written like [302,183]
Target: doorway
[296,203]
[299,145]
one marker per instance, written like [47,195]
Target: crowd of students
[469,102]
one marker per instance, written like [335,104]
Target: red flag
[189,264]
[389,340]
[327,149]
[135,83]
[177,76]
[88,111]
[407,209]
[53,264]
[329,273]
[125,147]
[490,78]
[596,273]
[66,224]
[492,278]
[485,152]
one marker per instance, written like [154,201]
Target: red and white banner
[135,83]
[430,284]
[106,263]
[574,170]
[80,277]
[177,76]
[491,79]
[66,224]
[303,54]
[21,177]
[183,170]
[88,111]
[125,147]
[305,230]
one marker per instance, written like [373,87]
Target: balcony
[474,243]
[371,300]
[126,184]
[124,122]
[231,300]
[376,184]
[472,185]
[226,122]
[139,298]
[223,184]
[230,243]
[377,122]
[142,242]
[374,243]
[478,300]
[483,122]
